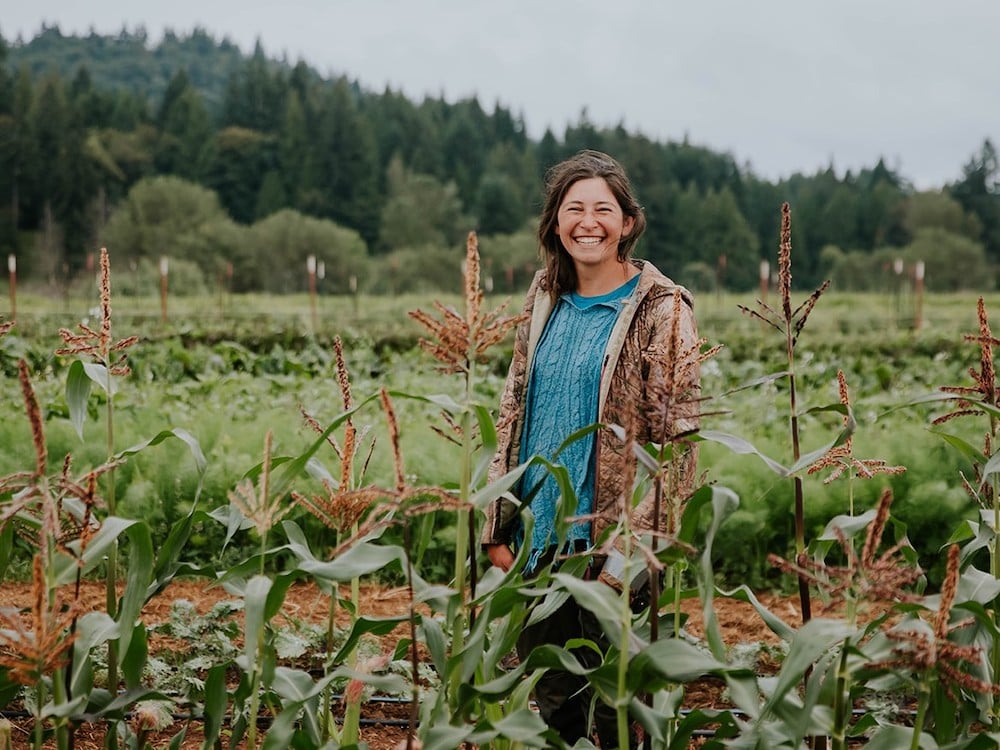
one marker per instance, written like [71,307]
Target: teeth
[588,241]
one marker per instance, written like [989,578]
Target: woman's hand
[501,556]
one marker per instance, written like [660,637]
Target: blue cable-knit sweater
[562,398]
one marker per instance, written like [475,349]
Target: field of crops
[241,448]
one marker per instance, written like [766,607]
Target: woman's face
[590,224]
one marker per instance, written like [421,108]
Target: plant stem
[111,588]
[800,522]
[352,716]
[841,703]
[995,572]
[459,602]
[263,551]
[462,532]
[415,673]
[111,584]
[255,693]
[923,700]
[621,703]
[328,692]
[40,701]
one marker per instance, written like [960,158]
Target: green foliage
[158,216]
[277,247]
[221,381]
[926,210]
[84,119]
[419,268]
[420,211]
[952,262]
[510,260]
[125,60]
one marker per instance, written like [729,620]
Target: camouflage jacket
[631,396]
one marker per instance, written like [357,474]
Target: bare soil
[739,623]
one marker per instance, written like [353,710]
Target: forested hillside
[239,166]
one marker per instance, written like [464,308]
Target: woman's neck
[607,280]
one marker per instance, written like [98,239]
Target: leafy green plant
[108,362]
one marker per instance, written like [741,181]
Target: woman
[590,351]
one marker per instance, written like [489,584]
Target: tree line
[240,166]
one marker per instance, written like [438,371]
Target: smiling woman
[591,226]
[597,322]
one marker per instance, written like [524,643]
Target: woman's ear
[627,226]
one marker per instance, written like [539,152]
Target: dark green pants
[563,698]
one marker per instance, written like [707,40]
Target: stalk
[415,674]
[621,704]
[464,523]
[111,584]
[462,540]
[923,701]
[263,551]
[40,701]
[988,375]
[995,570]
[994,558]
[330,632]
[60,677]
[255,693]
[841,703]
[800,514]
[352,716]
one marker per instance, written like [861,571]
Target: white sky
[784,85]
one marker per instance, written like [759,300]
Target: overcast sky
[784,86]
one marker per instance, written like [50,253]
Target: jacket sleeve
[671,401]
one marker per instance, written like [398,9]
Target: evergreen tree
[721,231]
[420,211]
[548,152]
[255,96]
[6,81]
[66,179]
[10,156]
[979,192]
[341,181]
[582,135]
[185,131]
[239,161]
[464,147]
[499,204]
[293,148]
[92,107]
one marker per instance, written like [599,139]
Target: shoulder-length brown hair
[560,272]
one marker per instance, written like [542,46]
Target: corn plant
[63,519]
[979,400]
[938,651]
[790,323]
[341,507]
[57,515]
[459,343]
[108,362]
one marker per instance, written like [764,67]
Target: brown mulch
[738,622]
